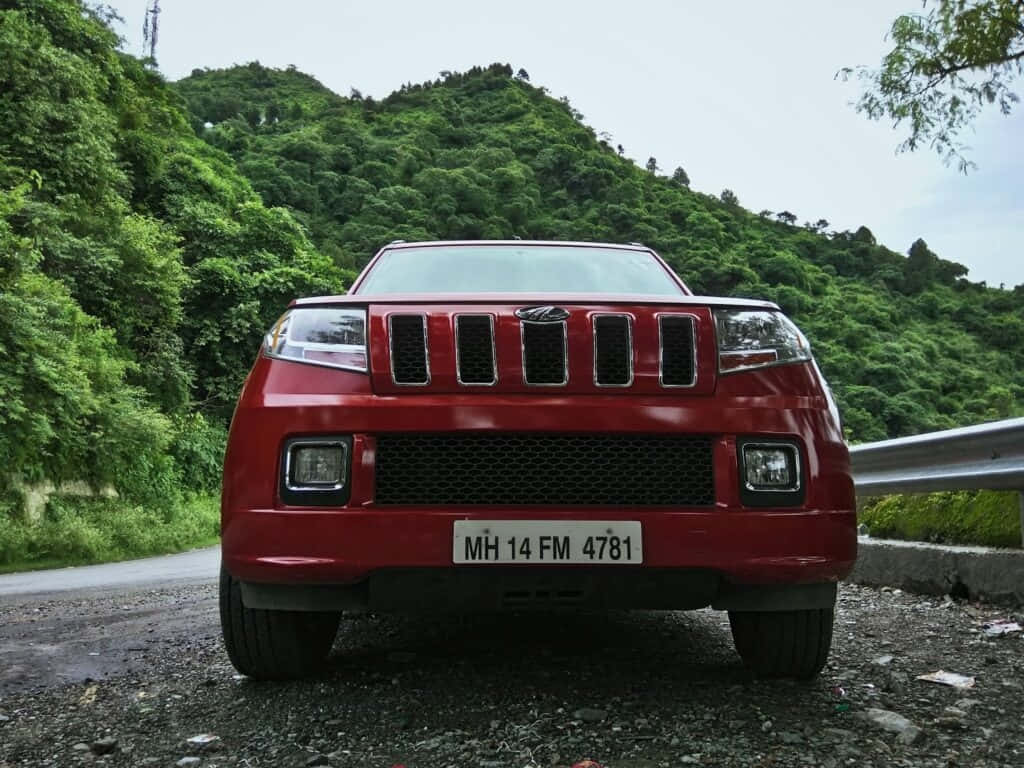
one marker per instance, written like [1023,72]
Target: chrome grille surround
[528,328]
[461,356]
[405,353]
[597,351]
[680,358]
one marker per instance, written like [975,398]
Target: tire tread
[783,643]
[273,645]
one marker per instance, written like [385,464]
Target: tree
[620,149]
[273,113]
[522,74]
[786,217]
[652,165]
[919,268]
[253,116]
[679,177]
[729,198]
[764,213]
[946,65]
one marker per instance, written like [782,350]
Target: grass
[77,531]
[986,518]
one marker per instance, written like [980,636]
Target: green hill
[138,270]
[907,342]
[143,254]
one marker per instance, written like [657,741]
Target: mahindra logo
[542,314]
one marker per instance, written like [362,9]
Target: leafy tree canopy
[947,64]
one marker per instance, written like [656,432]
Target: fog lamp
[770,467]
[316,466]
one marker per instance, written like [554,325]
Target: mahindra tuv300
[517,425]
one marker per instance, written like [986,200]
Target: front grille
[474,349]
[678,347]
[409,354]
[544,353]
[527,469]
[613,351]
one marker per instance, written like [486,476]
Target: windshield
[515,269]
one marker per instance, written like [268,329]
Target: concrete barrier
[992,575]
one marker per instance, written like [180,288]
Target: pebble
[317,759]
[766,726]
[80,747]
[907,732]
[883,661]
[185,762]
[4,718]
[104,746]
[590,714]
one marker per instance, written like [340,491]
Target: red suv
[515,425]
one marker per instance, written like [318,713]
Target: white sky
[740,94]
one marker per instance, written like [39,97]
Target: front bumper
[268,542]
[743,546]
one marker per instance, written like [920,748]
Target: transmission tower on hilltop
[150,29]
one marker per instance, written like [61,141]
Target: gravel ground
[126,679]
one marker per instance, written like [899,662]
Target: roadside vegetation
[151,232]
[987,518]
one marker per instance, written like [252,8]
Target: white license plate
[548,541]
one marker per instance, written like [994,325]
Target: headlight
[331,337]
[754,339]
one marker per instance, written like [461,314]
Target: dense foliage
[908,343]
[137,269]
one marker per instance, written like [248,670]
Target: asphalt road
[140,663]
[197,566]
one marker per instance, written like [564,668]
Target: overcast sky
[742,95]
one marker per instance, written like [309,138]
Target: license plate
[596,542]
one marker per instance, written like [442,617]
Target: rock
[317,759]
[838,734]
[788,737]
[766,726]
[204,742]
[895,682]
[185,762]
[104,746]
[883,661]
[966,704]
[4,718]
[907,732]
[590,714]
[81,747]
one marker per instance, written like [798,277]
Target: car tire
[273,645]
[783,643]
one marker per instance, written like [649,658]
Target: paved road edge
[991,575]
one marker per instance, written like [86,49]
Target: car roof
[574,243]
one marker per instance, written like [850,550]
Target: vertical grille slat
[474,349]
[613,351]
[678,350]
[544,353]
[410,365]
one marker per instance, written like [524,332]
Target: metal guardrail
[983,457]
